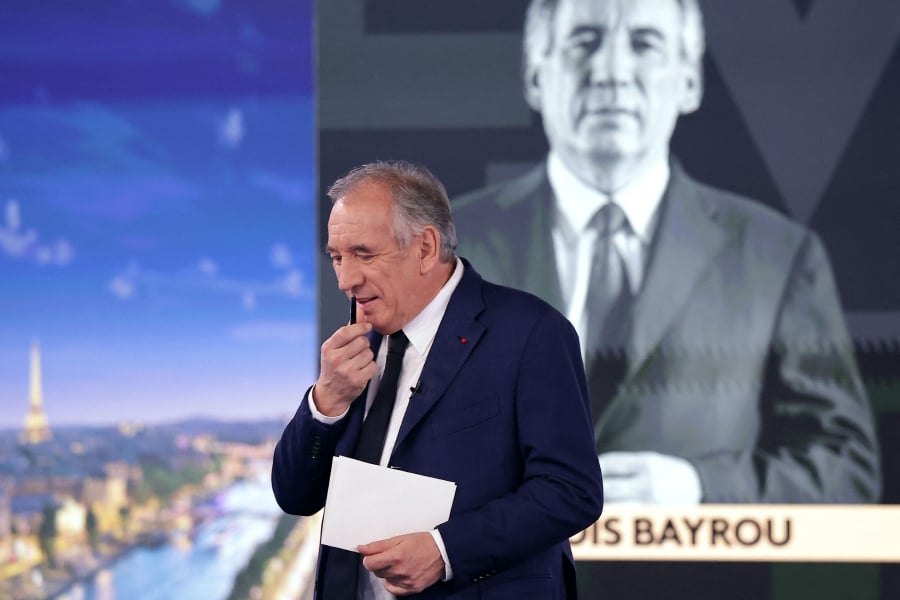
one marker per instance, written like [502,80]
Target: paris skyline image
[157,212]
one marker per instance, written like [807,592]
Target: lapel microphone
[416,388]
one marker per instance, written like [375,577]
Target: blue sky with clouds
[157,208]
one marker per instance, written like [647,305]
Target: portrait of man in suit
[718,359]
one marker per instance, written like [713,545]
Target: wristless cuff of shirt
[448,570]
[318,416]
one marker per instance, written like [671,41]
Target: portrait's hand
[407,563]
[649,477]
[347,364]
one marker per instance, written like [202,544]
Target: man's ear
[693,93]
[532,86]
[430,248]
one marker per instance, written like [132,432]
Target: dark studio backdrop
[799,112]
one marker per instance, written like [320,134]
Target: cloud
[13,216]
[135,282]
[204,8]
[207,267]
[290,189]
[22,244]
[121,287]
[60,254]
[293,283]
[101,163]
[232,129]
[281,256]
[124,285]
[274,331]
[248,299]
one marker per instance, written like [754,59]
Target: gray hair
[538,40]
[419,199]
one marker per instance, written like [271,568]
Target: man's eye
[365,258]
[582,44]
[335,258]
[579,49]
[642,44]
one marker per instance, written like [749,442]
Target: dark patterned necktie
[608,307]
[370,445]
[609,297]
[341,570]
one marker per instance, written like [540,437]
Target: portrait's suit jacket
[739,359]
[502,410]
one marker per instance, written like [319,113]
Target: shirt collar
[422,329]
[577,202]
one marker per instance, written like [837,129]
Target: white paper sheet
[367,503]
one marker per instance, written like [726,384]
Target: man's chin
[609,138]
[609,151]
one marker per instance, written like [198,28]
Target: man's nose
[349,275]
[613,62]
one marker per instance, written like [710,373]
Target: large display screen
[771,365]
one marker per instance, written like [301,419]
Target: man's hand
[407,563]
[649,477]
[347,365]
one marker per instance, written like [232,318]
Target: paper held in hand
[367,503]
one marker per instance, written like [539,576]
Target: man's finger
[378,546]
[620,463]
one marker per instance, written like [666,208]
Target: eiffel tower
[36,428]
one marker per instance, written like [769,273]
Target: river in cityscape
[204,568]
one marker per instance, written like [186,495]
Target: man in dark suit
[492,396]
[719,364]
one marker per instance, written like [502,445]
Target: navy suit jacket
[739,358]
[503,411]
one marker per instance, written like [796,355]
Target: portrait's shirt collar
[577,202]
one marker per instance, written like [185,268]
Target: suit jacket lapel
[540,274]
[448,352]
[522,239]
[688,238]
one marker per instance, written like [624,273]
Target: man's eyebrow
[649,31]
[586,30]
[357,249]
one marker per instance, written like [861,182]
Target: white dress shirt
[574,238]
[420,332]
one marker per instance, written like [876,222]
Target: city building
[36,429]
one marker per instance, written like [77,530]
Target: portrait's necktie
[341,569]
[609,306]
[609,297]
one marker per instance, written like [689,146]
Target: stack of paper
[367,503]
